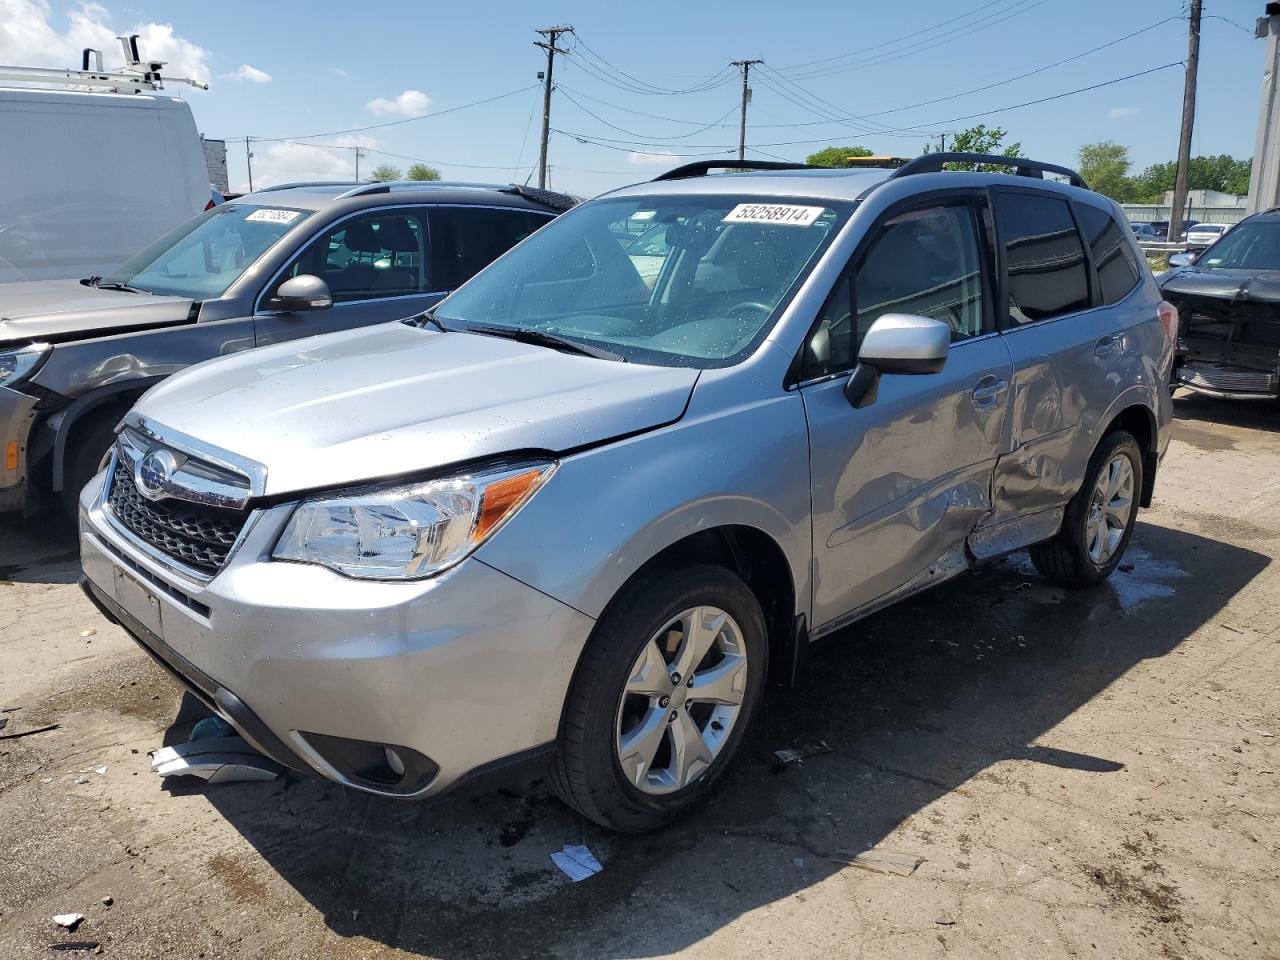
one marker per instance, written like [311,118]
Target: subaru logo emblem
[153,472]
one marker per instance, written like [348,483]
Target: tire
[1076,556]
[603,711]
[86,450]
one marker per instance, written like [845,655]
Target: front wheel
[666,688]
[1099,519]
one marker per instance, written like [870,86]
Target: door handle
[1108,346]
[988,388]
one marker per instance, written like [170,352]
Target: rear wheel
[666,688]
[1099,519]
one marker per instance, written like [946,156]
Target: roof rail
[702,167]
[933,162]
[368,189]
[297,184]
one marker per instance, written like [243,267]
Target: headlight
[410,531]
[17,363]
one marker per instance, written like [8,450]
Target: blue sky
[286,69]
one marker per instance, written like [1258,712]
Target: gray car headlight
[16,364]
[409,531]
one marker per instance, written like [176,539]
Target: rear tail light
[1168,314]
[210,205]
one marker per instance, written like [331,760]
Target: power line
[709,83]
[719,121]
[393,123]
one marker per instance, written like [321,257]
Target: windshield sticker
[273,216]
[784,214]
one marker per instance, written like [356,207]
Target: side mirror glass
[301,293]
[898,343]
[1185,259]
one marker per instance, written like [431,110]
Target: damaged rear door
[898,485]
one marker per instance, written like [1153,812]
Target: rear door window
[468,239]
[1044,257]
[1113,258]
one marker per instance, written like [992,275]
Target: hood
[69,310]
[393,399]
[1196,281]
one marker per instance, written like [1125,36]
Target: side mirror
[1185,259]
[900,343]
[301,293]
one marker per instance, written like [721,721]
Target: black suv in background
[1228,300]
[285,262]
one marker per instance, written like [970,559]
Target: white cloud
[339,72]
[287,162]
[658,158]
[246,72]
[1121,113]
[28,37]
[409,104]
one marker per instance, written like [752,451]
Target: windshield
[1250,246]
[678,281]
[204,256]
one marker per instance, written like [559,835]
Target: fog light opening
[393,761]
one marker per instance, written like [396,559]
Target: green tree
[384,172]
[836,156]
[980,139]
[1105,167]
[1223,172]
[420,171]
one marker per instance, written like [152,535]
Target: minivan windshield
[205,255]
[1250,246]
[676,281]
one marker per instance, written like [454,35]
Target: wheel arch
[88,407]
[1138,419]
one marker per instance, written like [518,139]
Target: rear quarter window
[1113,256]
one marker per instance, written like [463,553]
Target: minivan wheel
[1099,519]
[666,687]
[87,456]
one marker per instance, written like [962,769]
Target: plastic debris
[797,754]
[945,920]
[882,861]
[76,945]
[101,771]
[211,727]
[88,633]
[28,733]
[215,759]
[577,862]
[68,920]
[81,779]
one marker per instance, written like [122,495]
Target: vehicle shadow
[913,703]
[1191,407]
[39,549]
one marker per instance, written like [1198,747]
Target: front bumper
[1226,381]
[17,413]
[463,671]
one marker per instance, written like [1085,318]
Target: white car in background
[1204,234]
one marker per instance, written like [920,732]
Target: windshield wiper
[542,338]
[425,317]
[96,281]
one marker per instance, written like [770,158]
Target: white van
[89,179]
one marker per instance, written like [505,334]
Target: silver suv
[577,513]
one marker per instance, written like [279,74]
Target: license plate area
[137,601]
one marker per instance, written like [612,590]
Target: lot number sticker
[273,216]
[784,214]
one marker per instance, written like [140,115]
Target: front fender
[611,509]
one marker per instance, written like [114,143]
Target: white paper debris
[577,862]
[100,770]
[68,920]
[88,633]
[81,779]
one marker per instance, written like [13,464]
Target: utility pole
[248,160]
[552,34]
[359,151]
[1188,122]
[745,66]
[1264,180]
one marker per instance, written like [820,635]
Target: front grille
[191,533]
[1226,379]
[1243,322]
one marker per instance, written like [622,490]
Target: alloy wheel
[681,701]
[1110,509]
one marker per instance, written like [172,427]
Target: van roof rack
[137,75]
[933,162]
[701,168]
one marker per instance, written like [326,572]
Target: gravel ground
[1079,774]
